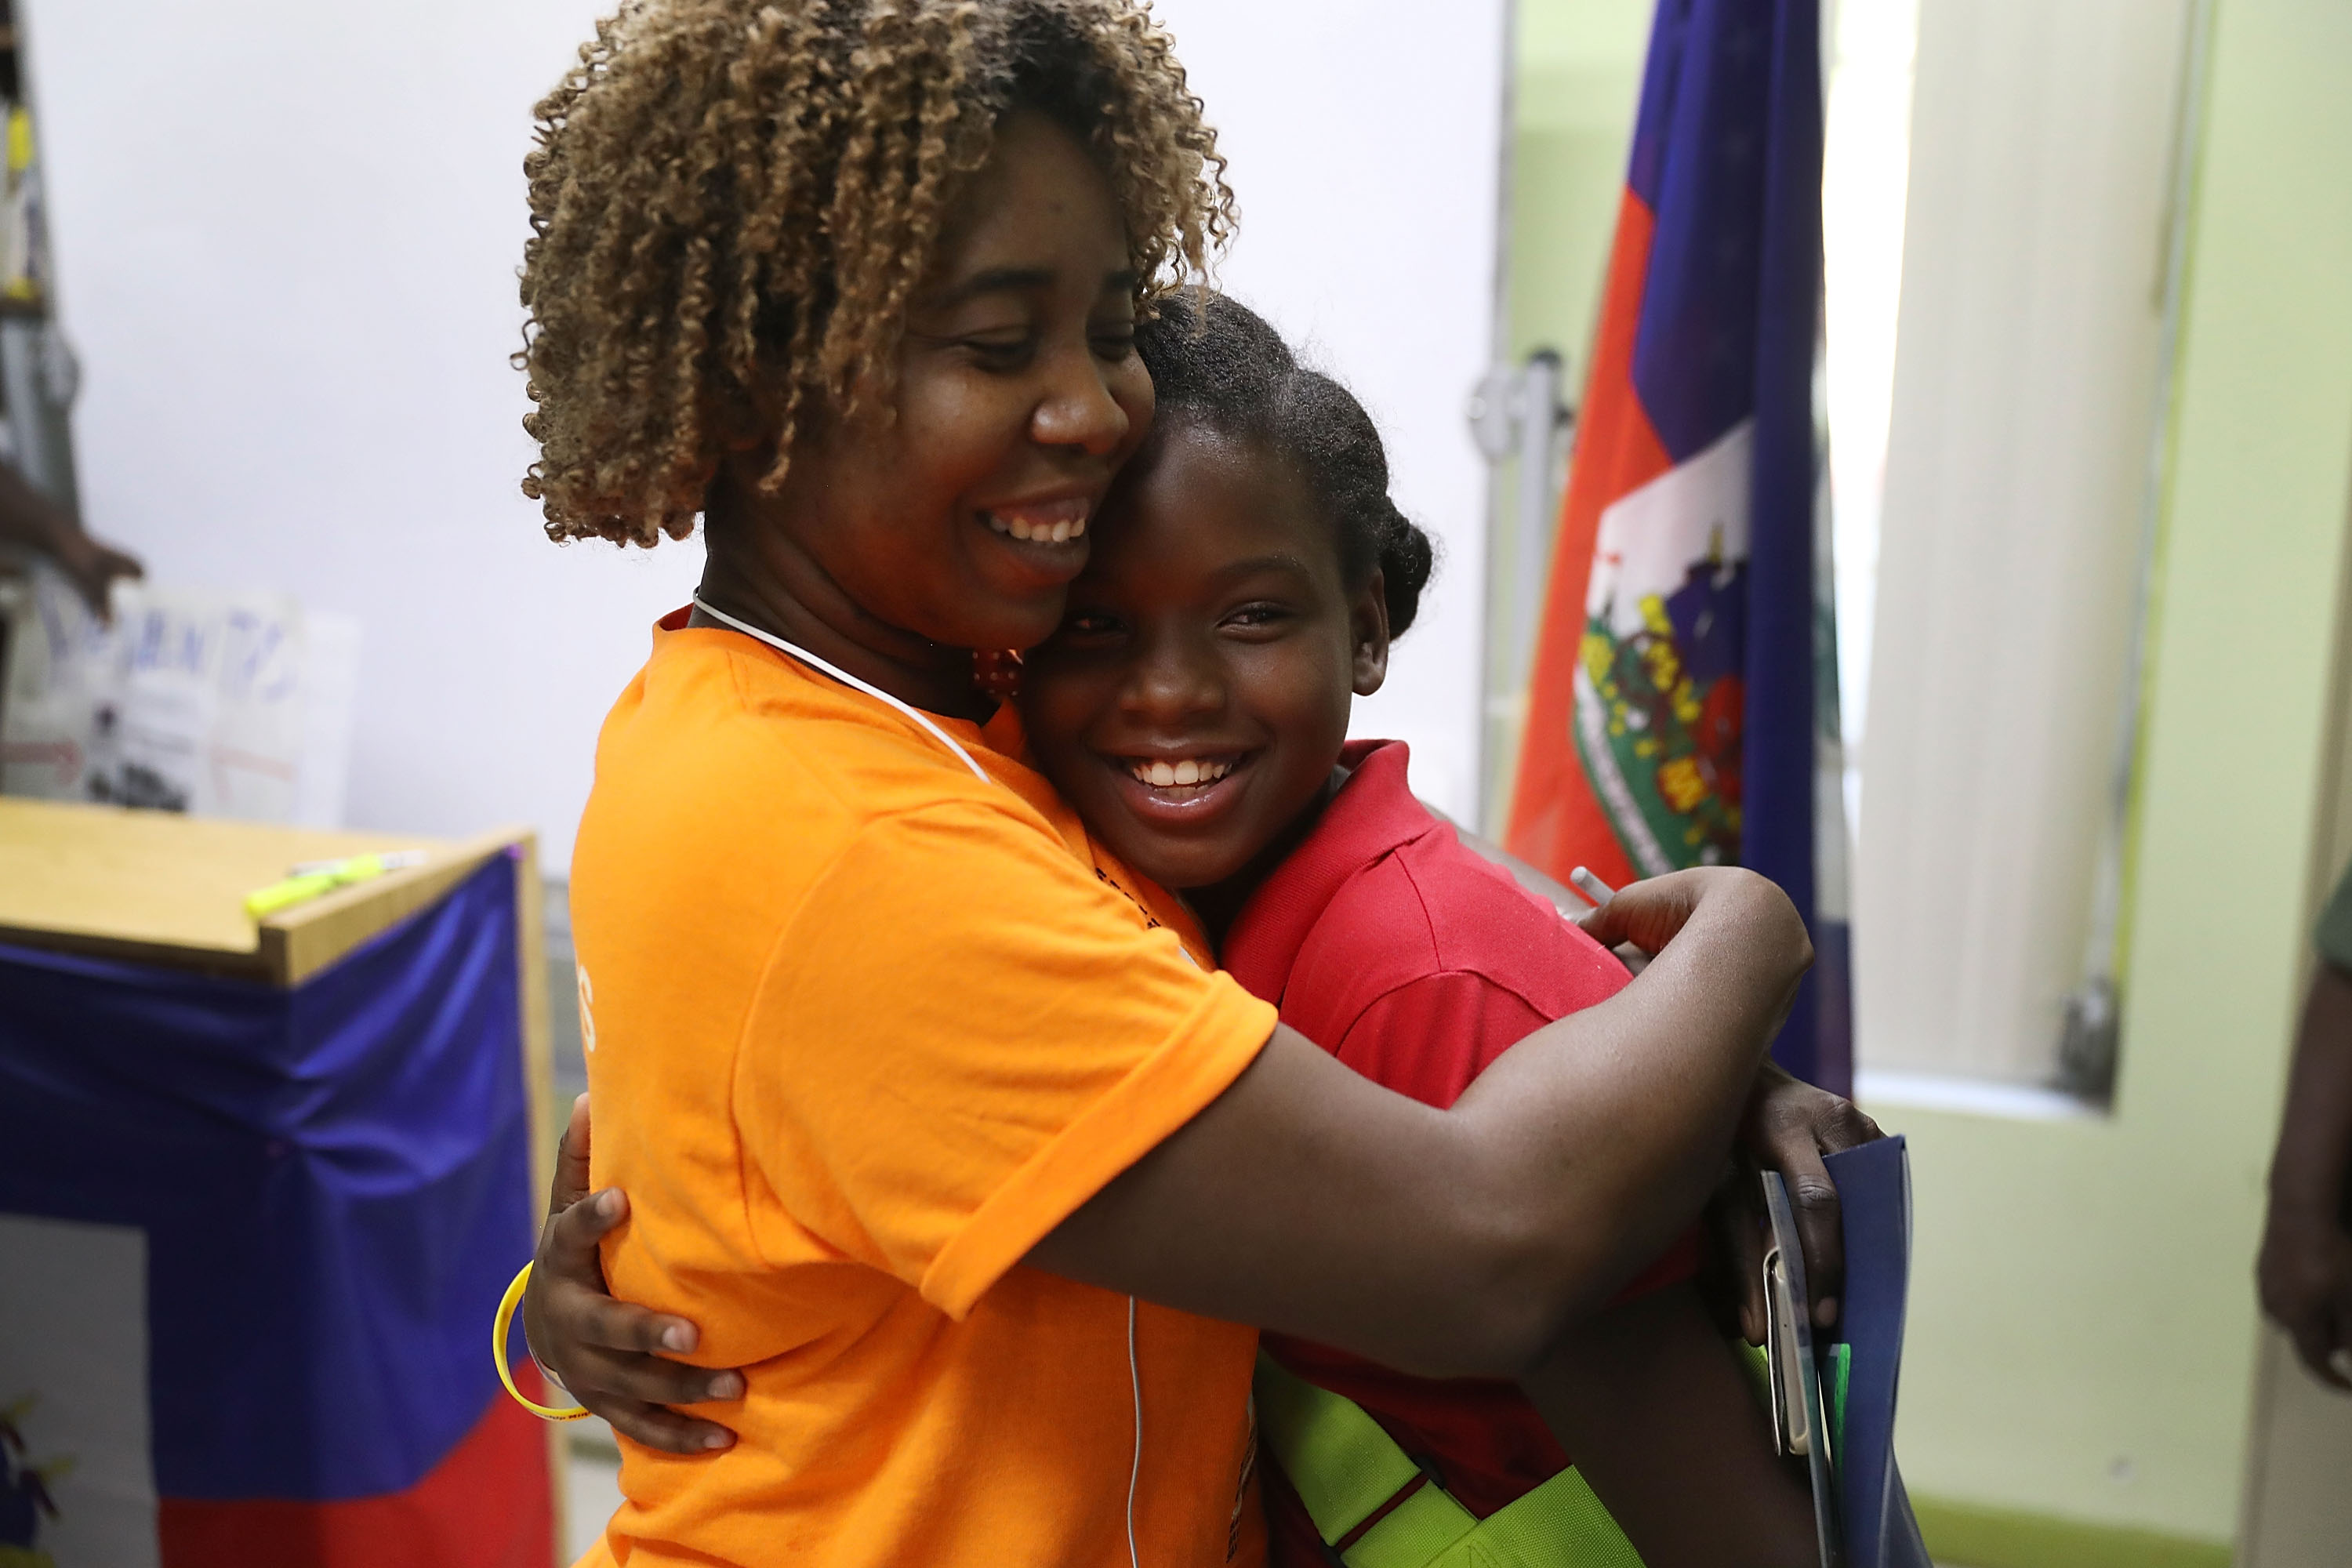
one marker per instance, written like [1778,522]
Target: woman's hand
[602,1350]
[1787,1126]
[2305,1275]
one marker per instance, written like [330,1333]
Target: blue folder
[1873,1183]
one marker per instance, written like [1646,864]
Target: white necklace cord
[1135,1473]
[842,676]
[1134,1367]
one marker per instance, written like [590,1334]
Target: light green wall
[1577,67]
[1578,73]
[2083,1291]
[2081,1294]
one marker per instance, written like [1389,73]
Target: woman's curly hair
[731,201]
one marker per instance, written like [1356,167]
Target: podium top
[155,888]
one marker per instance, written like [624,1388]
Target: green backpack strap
[1344,1468]
[1337,1459]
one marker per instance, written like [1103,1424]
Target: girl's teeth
[1170,775]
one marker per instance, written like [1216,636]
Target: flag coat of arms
[1676,714]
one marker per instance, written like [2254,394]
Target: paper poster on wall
[77,1483]
[237,705]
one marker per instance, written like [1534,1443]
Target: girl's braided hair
[731,201]
[1215,361]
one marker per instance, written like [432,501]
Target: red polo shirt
[1416,961]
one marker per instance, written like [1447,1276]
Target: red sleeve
[1429,1038]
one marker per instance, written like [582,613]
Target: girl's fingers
[664,1430]
[570,1181]
[568,1245]
[596,1322]
[631,1377]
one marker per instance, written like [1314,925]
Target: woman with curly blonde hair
[935,1121]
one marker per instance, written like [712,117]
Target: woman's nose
[1078,408]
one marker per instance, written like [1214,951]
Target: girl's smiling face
[1194,703]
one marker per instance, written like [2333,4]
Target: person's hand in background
[31,519]
[2304,1272]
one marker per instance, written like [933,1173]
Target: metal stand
[1517,414]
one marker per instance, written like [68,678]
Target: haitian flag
[1675,715]
[250,1240]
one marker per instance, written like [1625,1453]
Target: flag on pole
[1683,704]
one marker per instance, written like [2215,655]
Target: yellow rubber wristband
[499,1353]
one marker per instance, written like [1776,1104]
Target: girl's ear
[1368,629]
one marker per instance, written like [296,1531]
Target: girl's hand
[602,1350]
[2305,1275]
[1787,1126]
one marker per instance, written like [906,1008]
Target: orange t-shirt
[861,1029]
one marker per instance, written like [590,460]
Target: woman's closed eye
[1090,628]
[1001,352]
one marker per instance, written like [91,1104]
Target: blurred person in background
[2305,1271]
[29,518]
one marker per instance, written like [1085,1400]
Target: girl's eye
[1087,626]
[1114,344]
[1257,617]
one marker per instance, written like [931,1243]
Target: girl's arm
[1665,1426]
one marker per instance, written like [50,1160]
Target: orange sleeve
[962,1035]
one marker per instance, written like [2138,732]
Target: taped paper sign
[237,705]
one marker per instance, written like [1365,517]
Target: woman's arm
[1460,1242]
[1310,1199]
[1789,1125]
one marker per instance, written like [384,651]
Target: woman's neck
[780,589]
[1219,904]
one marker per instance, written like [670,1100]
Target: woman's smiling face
[962,515]
[1195,699]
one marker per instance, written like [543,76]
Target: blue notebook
[1874,1184]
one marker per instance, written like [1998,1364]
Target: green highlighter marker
[312,878]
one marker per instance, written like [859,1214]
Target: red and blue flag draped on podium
[255,1237]
[1683,685]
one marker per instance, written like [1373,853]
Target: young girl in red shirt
[1249,578]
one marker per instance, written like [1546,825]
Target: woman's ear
[1368,629]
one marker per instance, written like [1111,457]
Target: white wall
[1365,142]
[286,235]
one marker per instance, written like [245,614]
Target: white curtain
[2017,471]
